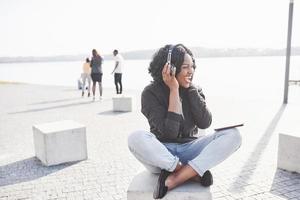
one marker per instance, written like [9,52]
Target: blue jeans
[201,154]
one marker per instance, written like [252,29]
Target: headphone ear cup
[172,69]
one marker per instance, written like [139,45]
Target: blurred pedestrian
[119,60]
[86,75]
[96,74]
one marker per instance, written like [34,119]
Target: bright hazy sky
[55,27]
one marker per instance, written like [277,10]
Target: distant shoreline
[199,52]
[10,82]
[44,61]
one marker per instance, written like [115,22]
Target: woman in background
[96,74]
[86,75]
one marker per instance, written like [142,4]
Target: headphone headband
[170,53]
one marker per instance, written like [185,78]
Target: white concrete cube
[289,139]
[142,187]
[289,152]
[60,142]
[122,104]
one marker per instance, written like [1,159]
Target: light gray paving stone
[250,172]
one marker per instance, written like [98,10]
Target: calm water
[217,76]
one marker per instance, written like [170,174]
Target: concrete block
[122,104]
[142,187]
[289,140]
[60,142]
[288,152]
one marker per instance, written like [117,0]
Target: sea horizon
[218,76]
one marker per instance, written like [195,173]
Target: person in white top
[118,71]
[86,75]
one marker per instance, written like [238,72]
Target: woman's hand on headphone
[169,77]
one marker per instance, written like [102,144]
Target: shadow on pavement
[250,165]
[55,101]
[112,113]
[51,107]
[283,180]
[27,170]
[71,90]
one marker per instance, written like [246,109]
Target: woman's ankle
[171,181]
[196,179]
[178,177]
[178,167]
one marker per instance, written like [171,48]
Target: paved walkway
[251,173]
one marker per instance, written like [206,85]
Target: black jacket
[170,126]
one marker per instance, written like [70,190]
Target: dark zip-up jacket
[173,127]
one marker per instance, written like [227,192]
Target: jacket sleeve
[202,116]
[166,124]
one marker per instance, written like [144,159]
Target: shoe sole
[158,185]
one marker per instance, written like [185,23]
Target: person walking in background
[118,71]
[96,74]
[175,109]
[86,75]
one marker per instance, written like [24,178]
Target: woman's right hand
[169,78]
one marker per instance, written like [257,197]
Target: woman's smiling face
[185,76]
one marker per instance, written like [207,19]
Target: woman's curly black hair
[160,58]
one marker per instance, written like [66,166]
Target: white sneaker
[93,98]
[100,98]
